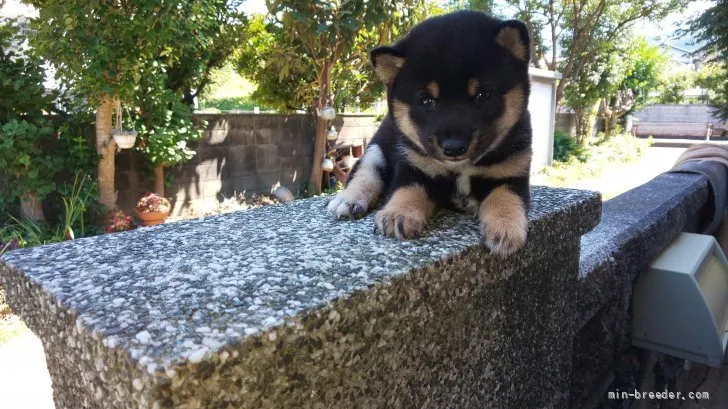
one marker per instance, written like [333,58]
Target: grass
[598,157]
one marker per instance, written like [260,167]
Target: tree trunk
[579,119]
[591,119]
[585,119]
[30,207]
[159,180]
[106,147]
[319,146]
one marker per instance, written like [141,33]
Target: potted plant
[152,209]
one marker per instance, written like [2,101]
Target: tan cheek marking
[513,166]
[434,89]
[510,39]
[400,111]
[473,86]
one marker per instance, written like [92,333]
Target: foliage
[166,127]
[26,233]
[603,153]
[119,221]
[37,154]
[285,53]
[713,79]
[106,48]
[22,94]
[232,103]
[711,30]
[566,147]
[23,129]
[582,31]
[673,85]
[619,79]
[333,190]
[26,167]
[644,68]
[154,56]
[76,200]
[152,202]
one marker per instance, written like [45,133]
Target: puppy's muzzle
[454,146]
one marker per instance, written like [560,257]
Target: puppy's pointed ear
[513,37]
[387,62]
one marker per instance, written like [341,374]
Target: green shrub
[620,148]
[27,168]
[566,147]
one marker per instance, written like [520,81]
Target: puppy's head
[457,83]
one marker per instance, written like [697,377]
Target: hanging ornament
[124,139]
[328,113]
[327,165]
[332,135]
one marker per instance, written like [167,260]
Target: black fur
[454,51]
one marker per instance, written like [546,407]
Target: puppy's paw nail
[393,223]
[504,238]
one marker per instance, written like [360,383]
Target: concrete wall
[674,113]
[677,121]
[238,153]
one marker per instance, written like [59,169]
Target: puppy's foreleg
[406,213]
[363,187]
[503,220]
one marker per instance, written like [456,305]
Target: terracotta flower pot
[152,218]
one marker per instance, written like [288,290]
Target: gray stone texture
[238,153]
[283,307]
[635,227]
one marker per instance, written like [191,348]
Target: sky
[668,26]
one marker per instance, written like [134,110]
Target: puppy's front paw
[503,221]
[345,205]
[504,237]
[401,223]
[405,215]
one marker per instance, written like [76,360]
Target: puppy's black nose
[454,146]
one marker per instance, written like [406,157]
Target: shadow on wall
[238,153]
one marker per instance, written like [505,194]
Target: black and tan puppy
[457,135]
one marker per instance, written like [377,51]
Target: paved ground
[24,379]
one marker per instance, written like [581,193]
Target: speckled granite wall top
[179,292]
[634,228]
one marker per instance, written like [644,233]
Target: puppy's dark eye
[429,103]
[482,96]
